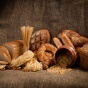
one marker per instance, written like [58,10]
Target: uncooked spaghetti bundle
[26,34]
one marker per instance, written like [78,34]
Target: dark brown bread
[79,41]
[75,38]
[38,38]
[69,33]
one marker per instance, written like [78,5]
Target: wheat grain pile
[61,66]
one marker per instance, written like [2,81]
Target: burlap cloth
[52,15]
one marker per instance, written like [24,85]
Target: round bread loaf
[38,38]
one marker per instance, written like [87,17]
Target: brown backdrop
[50,14]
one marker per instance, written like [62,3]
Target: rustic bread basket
[83,55]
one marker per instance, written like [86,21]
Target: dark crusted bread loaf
[38,38]
[69,33]
[75,38]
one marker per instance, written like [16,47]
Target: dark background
[53,15]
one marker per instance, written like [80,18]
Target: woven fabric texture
[53,15]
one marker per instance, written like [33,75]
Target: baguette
[57,42]
[66,40]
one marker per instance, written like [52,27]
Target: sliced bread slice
[4,49]
[4,56]
[15,48]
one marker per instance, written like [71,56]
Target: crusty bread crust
[15,48]
[38,38]
[76,39]
[4,49]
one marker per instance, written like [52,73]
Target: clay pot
[69,51]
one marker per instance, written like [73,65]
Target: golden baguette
[57,42]
[66,40]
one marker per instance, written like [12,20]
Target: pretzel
[46,53]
